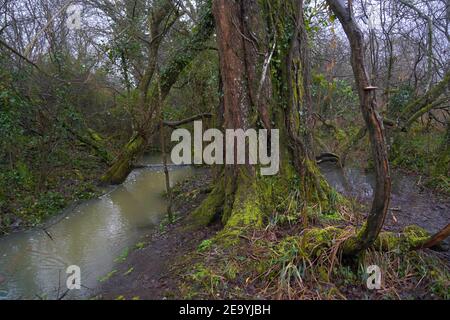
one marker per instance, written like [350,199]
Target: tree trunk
[123,164]
[248,70]
[299,115]
[418,107]
[380,204]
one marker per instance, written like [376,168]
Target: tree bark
[283,102]
[435,239]
[380,204]
[238,71]
[413,109]
[123,164]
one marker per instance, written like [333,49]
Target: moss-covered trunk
[295,92]
[266,78]
[93,140]
[123,164]
[420,106]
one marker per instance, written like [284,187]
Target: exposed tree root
[436,240]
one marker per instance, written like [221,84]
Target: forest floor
[159,270]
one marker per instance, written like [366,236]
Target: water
[92,235]
[357,183]
[96,233]
[411,203]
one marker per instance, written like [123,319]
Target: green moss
[205,245]
[107,276]
[246,214]
[414,236]
[231,270]
[122,166]
[123,256]
[411,237]
[229,237]
[315,241]
[206,277]
[287,249]
[140,245]
[129,271]
[311,244]
[210,207]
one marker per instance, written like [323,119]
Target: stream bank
[160,269]
[94,235]
[153,271]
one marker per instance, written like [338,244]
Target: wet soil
[154,268]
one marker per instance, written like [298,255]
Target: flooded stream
[92,236]
[95,233]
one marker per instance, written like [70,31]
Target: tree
[374,124]
[123,164]
[265,72]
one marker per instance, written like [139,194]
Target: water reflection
[92,236]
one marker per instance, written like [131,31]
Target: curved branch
[369,233]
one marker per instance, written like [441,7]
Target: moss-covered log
[413,109]
[123,164]
[422,111]
[316,241]
[93,140]
[436,239]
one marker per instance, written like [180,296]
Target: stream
[410,202]
[95,233]
[92,236]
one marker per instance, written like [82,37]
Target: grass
[107,276]
[289,260]
[262,268]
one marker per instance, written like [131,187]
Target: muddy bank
[156,271]
[151,272]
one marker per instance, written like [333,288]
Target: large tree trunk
[380,204]
[258,93]
[299,114]
[238,73]
[123,164]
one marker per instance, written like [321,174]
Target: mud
[154,268]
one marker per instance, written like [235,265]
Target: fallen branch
[176,124]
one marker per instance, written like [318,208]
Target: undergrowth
[296,254]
